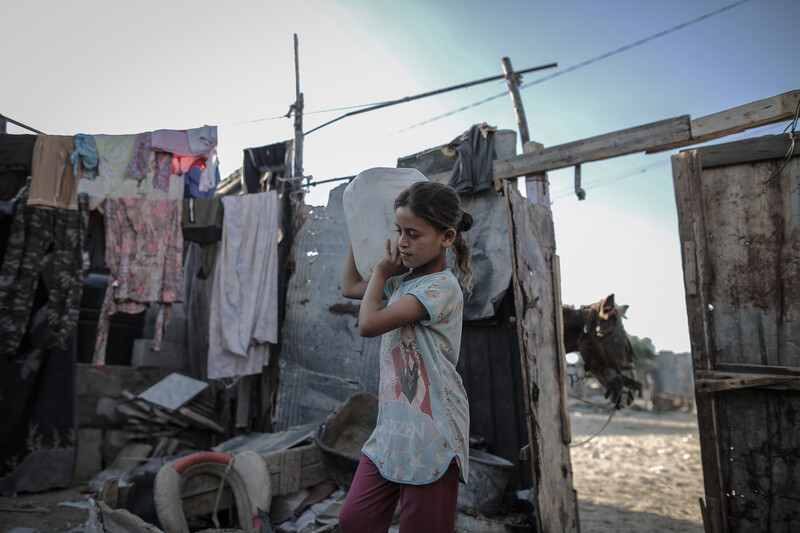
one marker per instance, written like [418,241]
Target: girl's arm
[373,320]
[353,285]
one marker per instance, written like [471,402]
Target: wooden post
[536,186]
[2,124]
[298,115]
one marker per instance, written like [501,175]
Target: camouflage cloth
[33,232]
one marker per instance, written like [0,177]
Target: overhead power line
[427,94]
[581,65]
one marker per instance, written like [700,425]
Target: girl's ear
[448,237]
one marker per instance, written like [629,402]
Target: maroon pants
[372,499]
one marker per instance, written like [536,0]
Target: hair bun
[465,223]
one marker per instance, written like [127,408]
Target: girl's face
[421,246]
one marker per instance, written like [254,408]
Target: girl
[419,449]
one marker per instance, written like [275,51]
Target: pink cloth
[177,142]
[144,251]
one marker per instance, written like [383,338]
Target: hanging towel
[473,169]
[144,248]
[86,149]
[244,301]
[52,183]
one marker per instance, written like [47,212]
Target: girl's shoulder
[439,283]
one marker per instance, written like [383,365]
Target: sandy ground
[641,474]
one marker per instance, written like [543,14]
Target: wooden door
[740,240]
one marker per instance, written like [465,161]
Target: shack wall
[740,238]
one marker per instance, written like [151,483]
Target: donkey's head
[606,351]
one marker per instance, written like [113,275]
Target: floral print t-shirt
[423,415]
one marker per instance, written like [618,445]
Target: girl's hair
[440,206]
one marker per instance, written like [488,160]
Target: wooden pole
[536,186]
[298,115]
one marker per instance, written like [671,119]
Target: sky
[126,67]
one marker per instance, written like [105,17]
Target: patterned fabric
[144,248]
[423,415]
[115,153]
[33,230]
[146,163]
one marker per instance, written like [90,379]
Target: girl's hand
[390,264]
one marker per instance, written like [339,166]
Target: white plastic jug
[369,212]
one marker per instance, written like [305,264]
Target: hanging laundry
[244,301]
[210,177]
[258,161]
[86,151]
[202,139]
[202,223]
[473,169]
[192,181]
[144,247]
[181,164]
[52,182]
[177,141]
[148,164]
[115,153]
[33,231]
[16,156]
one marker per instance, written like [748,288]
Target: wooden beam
[737,119]
[746,151]
[752,115]
[622,142]
[715,381]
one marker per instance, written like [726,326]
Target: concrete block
[89,461]
[172,355]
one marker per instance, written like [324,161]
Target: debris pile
[170,408]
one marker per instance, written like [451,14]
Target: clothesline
[20,124]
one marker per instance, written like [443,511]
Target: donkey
[596,332]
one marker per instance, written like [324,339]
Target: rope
[610,416]
[222,479]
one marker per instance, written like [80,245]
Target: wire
[790,153]
[581,64]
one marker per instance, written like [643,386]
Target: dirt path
[642,473]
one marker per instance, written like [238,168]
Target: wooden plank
[712,381]
[566,432]
[691,229]
[759,113]
[622,142]
[302,470]
[747,151]
[535,248]
[759,369]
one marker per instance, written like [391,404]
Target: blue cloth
[87,149]
[191,182]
